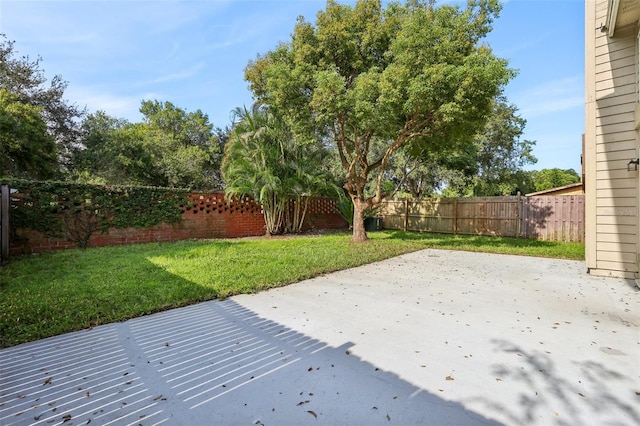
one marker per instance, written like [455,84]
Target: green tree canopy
[113,151]
[491,165]
[170,147]
[24,79]
[182,144]
[373,81]
[26,150]
[501,154]
[553,178]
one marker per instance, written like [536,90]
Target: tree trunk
[359,233]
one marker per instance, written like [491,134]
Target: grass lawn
[54,293]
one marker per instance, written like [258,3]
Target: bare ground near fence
[550,218]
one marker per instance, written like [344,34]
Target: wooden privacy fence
[551,218]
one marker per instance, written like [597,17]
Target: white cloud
[120,106]
[176,76]
[551,97]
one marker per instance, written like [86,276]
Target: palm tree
[252,162]
[263,160]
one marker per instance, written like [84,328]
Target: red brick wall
[209,216]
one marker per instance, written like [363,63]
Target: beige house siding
[611,140]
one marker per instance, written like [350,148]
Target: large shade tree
[26,150]
[171,147]
[501,154]
[375,80]
[183,145]
[113,151]
[554,178]
[23,82]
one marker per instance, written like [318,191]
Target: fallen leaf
[48,381]
[498,379]
[23,396]
[302,403]
[66,418]
[449,378]
[86,395]
[582,395]
[313,413]
[157,397]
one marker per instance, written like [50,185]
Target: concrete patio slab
[433,337]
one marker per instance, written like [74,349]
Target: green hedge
[75,211]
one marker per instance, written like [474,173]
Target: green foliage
[553,178]
[26,150]
[182,145]
[501,154]
[113,151]
[54,293]
[24,80]
[75,211]
[171,147]
[491,165]
[512,183]
[264,161]
[344,207]
[372,81]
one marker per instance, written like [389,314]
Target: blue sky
[116,53]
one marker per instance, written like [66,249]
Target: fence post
[4,222]
[455,216]
[406,215]
[519,216]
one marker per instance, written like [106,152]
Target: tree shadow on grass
[211,363]
[113,284]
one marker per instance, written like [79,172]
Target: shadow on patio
[211,363]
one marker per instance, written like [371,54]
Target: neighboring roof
[557,189]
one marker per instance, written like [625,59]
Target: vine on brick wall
[75,211]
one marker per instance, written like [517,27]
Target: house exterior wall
[611,140]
